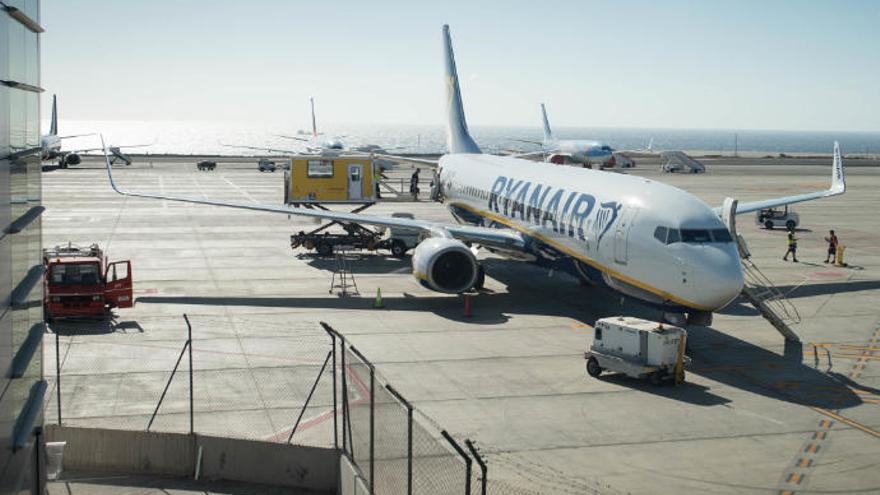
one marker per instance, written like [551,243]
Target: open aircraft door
[621,233]
[119,290]
[728,216]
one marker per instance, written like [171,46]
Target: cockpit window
[660,234]
[695,235]
[692,236]
[721,235]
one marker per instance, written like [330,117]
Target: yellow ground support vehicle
[330,180]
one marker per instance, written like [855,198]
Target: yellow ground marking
[845,420]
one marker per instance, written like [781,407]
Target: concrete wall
[174,454]
[350,480]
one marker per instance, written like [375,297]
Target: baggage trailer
[356,236]
[639,349]
[81,283]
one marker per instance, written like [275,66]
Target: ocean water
[211,138]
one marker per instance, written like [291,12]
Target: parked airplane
[571,151]
[642,238]
[315,144]
[51,145]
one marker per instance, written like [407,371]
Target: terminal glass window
[320,168]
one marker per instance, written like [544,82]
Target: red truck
[81,283]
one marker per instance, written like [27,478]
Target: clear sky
[799,65]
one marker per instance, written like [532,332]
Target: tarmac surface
[755,416]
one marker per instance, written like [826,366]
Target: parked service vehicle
[206,165]
[265,165]
[638,348]
[771,217]
[79,282]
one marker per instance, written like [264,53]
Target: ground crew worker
[377,176]
[414,185]
[832,246]
[792,247]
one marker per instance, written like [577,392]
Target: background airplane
[587,153]
[634,236]
[51,145]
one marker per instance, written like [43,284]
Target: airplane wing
[265,150]
[405,159]
[838,187]
[539,143]
[504,238]
[296,138]
[76,135]
[87,150]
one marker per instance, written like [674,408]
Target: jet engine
[72,159]
[445,265]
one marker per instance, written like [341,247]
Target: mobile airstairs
[758,290]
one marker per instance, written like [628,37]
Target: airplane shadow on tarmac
[718,356]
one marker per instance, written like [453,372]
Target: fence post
[309,398]
[482,464]
[189,342]
[345,436]
[467,461]
[165,391]
[409,436]
[372,427]
[332,334]
[58,374]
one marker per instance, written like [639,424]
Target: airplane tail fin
[458,140]
[314,124]
[548,134]
[53,128]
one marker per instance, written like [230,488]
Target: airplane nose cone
[720,276]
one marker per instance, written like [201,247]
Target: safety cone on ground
[468,310]
[378,303]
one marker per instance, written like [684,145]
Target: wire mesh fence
[397,448]
[249,379]
[245,378]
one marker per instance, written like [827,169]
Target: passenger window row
[691,236]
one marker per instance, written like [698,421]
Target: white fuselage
[582,151]
[607,222]
[51,145]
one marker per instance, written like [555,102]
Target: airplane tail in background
[548,134]
[458,140]
[53,129]
[314,124]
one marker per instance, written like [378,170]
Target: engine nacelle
[445,265]
[72,159]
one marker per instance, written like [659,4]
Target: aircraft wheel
[593,368]
[398,248]
[481,278]
[656,378]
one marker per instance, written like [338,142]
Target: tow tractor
[639,349]
[81,283]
